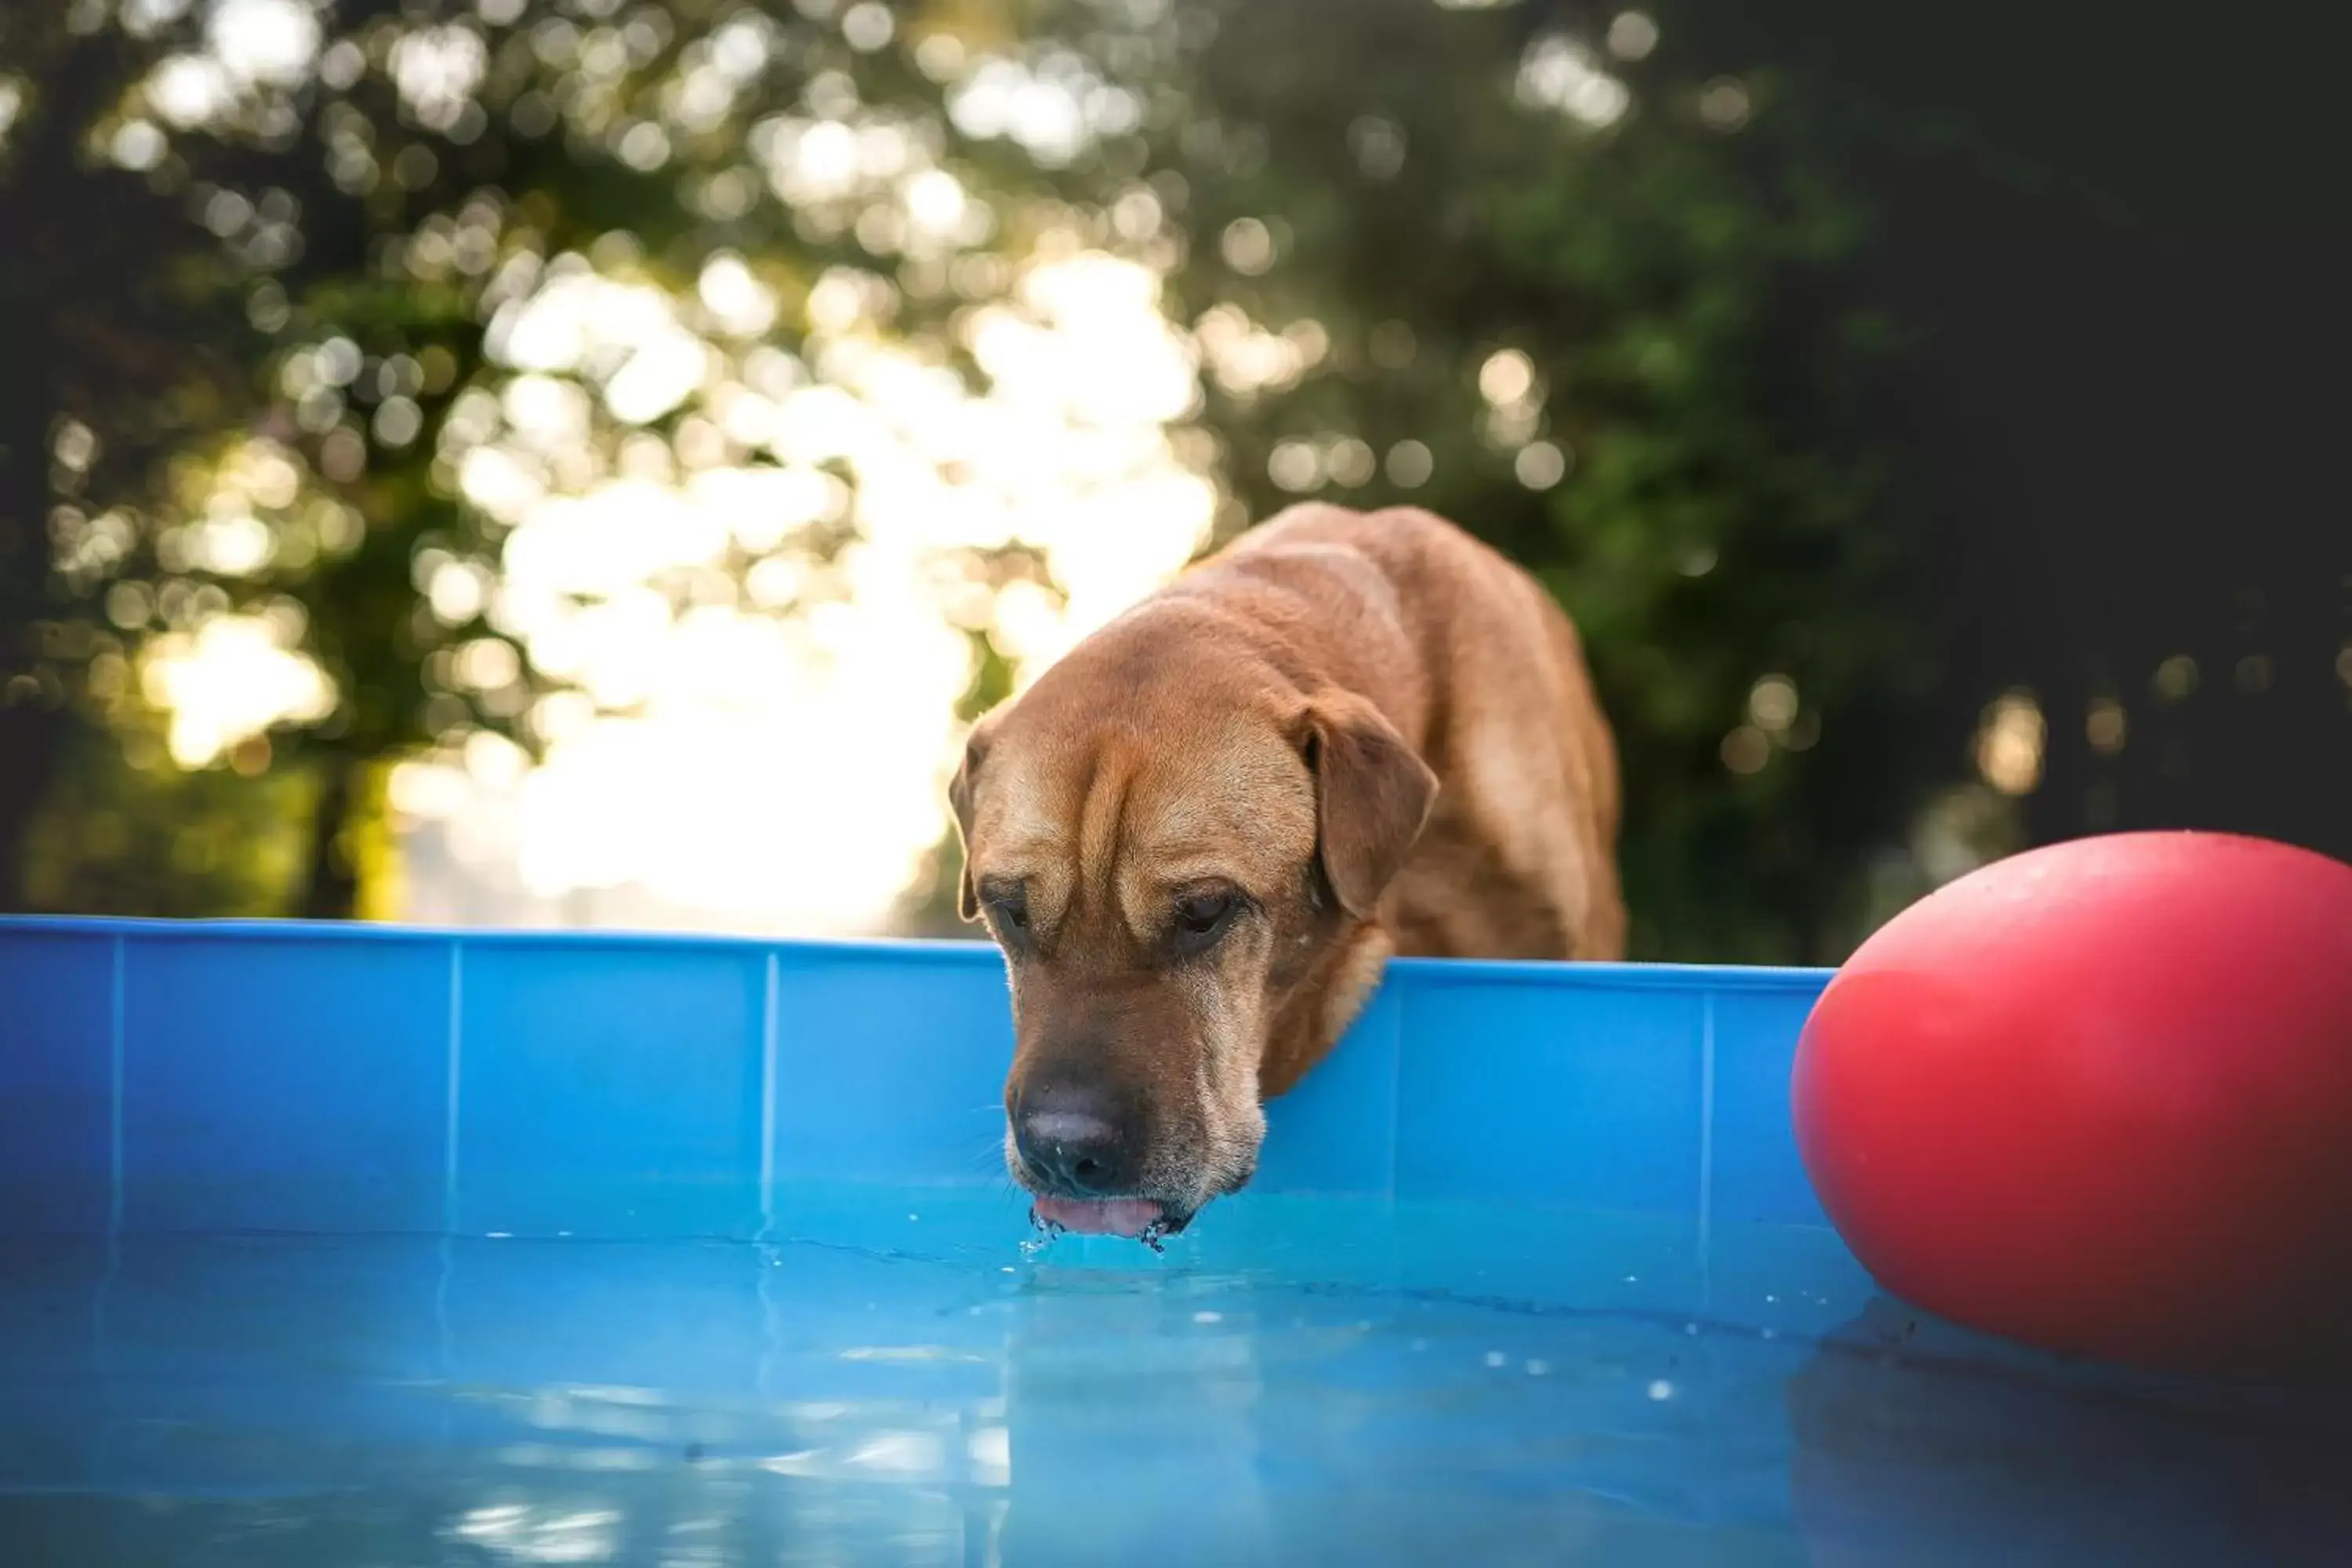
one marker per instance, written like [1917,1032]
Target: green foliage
[138,837]
[308,270]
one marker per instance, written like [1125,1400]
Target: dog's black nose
[1077,1139]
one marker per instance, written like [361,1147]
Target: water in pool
[890,1380]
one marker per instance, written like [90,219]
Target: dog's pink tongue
[1106,1217]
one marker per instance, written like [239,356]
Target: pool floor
[892,1378]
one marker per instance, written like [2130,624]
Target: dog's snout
[1077,1139]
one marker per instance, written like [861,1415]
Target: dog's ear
[1372,795]
[960,798]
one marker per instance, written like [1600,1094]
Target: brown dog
[1200,835]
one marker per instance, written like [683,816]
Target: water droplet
[1662,1390]
[1208,1317]
[1496,1358]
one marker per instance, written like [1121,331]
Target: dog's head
[1169,861]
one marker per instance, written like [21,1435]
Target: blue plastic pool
[324,1246]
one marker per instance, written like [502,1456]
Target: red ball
[2099,1097]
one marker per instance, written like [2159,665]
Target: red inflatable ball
[2099,1097]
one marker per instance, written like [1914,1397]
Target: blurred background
[584,462]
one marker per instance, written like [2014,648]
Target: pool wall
[288,1076]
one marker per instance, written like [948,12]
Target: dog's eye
[1008,906]
[1201,918]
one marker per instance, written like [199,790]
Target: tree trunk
[33,736]
[333,890]
[74,81]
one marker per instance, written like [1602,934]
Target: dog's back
[1485,675]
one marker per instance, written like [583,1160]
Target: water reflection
[1129,1388]
[1303,1381]
[1913,1444]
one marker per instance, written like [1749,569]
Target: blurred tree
[126,832]
[255,257]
